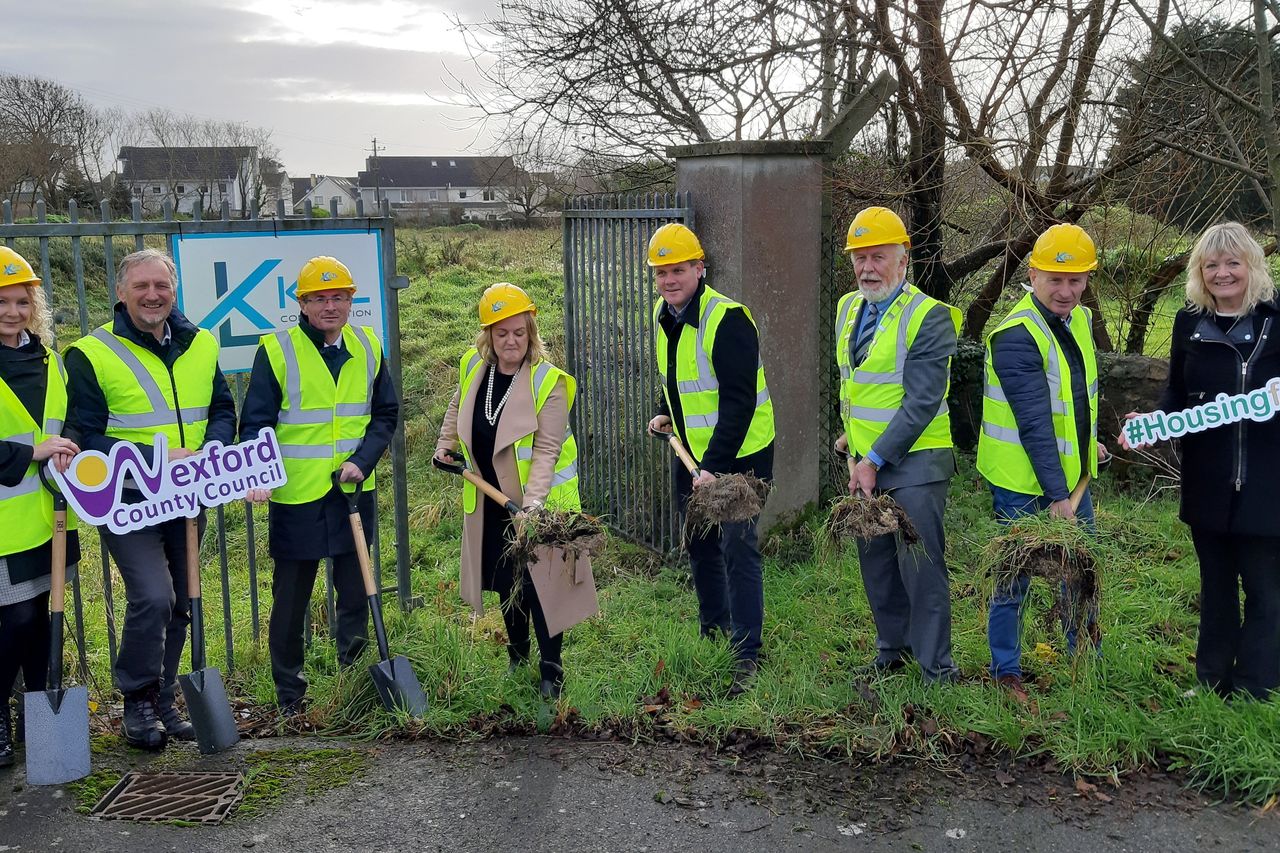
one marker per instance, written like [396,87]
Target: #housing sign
[242,286]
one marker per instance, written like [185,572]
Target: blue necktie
[865,334]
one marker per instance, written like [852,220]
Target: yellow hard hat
[1064,248]
[14,269]
[674,243]
[502,300]
[876,226]
[324,273]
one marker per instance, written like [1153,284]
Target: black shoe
[174,726]
[877,668]
[294,707]
[515,660]
[552,683]
[141,726]
[744,675]
[6,740]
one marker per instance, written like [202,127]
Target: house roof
[218,161]
[440,171]
[301,186]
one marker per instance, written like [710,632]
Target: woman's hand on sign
[1122,439]
[179,453]
[350,473]
[258,496]
[57,448]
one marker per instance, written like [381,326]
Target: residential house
[322,189]
[441,188]
[190,177]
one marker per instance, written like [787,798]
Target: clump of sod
[1058,551]
[574,532]
[731,497]
[861,517]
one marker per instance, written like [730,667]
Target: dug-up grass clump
[576,533]
[1058,551]
[731,497]
[862,517]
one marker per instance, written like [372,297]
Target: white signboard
[171,488]
[241,286]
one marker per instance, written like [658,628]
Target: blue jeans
[1004,616]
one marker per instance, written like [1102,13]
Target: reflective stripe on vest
[1001,457]
[321,422]
[26,509]
[140,390]
[696,381]
[563,494]
[872,393]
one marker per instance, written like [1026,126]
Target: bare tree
[45,129]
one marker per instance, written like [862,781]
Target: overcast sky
[325,75]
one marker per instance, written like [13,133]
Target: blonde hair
[1229,238]
[537,349]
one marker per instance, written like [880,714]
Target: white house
[203,176]
[323,189]
[442,187]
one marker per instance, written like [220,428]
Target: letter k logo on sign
[238,300]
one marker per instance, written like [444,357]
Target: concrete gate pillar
[759,214]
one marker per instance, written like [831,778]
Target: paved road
[545,794]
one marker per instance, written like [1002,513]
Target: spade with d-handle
[57,718]
[393,677]
[460,468]
[206,695]
[678,448]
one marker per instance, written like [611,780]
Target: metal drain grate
[171,795]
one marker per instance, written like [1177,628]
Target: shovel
[57,719]
[476,480]
[393,677]
[206,695]
[678,447]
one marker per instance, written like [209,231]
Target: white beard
[878,292]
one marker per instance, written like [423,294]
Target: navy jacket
[1020,367]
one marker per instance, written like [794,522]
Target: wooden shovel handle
[683,454]
[1077,494]
[485,486]
[193,557]
[58,569]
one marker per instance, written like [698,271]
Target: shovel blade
[398,686]
[209,709]
[57,735]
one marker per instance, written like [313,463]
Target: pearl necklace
[492,414]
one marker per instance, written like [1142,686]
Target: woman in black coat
[1227,341]
[24,574]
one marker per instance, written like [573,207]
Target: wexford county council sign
[243,286]
[171,488]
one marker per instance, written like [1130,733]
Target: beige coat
[566,588]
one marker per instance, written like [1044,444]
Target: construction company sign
[243,286]
[171,488]
[1258,405]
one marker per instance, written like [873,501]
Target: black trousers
[153,566]
[291,588]
[1235,653]
[519,605]
[24,645]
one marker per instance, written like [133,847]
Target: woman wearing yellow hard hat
[509,418]
[33,406]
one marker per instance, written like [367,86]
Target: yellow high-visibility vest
[1001,457]
[26,510]
[542,378]
[871,393]
[696,381]
[143,398]
[322,422]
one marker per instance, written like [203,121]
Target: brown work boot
[1013,683]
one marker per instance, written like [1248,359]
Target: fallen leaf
[692,704]
[1101,797]
[1085,788]
[662,664]
[1004,778]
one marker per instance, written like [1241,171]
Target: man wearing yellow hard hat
[323,386]
[715,397]
[894,346]
[1040,419]
[149,371]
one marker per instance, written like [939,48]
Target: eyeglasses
[328,300]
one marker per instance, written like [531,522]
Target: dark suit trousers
[1235,654]
[908,588]
[291,587]
[153,566]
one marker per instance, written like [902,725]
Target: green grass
[1102,716]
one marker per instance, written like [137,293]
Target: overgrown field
[640,669]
